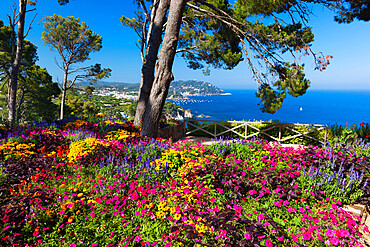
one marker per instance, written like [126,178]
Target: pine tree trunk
[147,70]
[64,90]
[19,105]
[163,76]
[12,87]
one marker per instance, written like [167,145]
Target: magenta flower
[261,216]
[95,244]
[137,238]
[334,241]
[330,233]
[247,236]
[268,243]
[306,236]
[290,210]
[344,233]
[5,228]
[280,238]
[301,210]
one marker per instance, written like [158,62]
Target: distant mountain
[177,89]
[121,86]
[193,87]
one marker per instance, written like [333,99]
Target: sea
[314,107]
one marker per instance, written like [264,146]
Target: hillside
[178,89]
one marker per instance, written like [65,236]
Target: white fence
[222,130]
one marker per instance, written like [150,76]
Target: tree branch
[29,27]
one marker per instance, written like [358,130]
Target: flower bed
[89,184]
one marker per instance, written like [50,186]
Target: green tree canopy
[73,41]
[349,10]
[270,35]
[35,86]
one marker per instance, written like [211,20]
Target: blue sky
[347,43]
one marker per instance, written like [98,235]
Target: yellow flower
[62,186]
[177,216]
[80,194]
[71,218]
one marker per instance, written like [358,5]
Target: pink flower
[5,228]
[301,210]
[252,192]
[294,238]
[344,233]
[268,243]
[334,241]
[213,199]
[330,233]
[296,186]
[95,244]
[290,209]
[280,238]
[247,236]
[306,236]
[261,216]
[137,238]
[286,203]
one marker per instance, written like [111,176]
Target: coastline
[318,107]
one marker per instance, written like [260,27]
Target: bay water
[315,107]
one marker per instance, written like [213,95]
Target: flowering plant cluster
[102,184]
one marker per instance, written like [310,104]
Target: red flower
[367,136]
[362,123]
